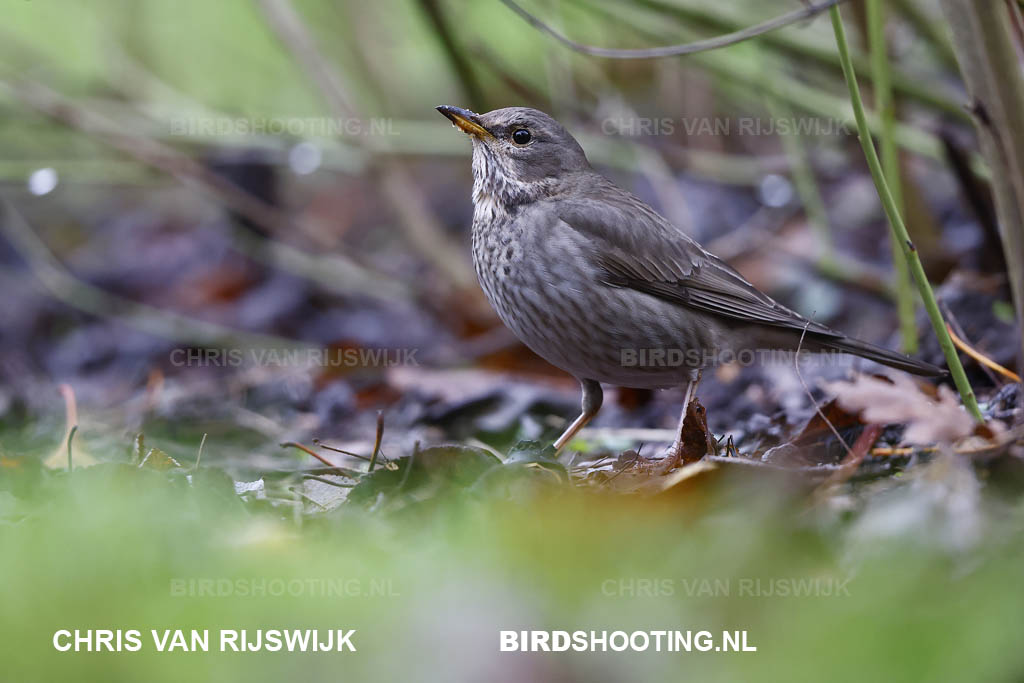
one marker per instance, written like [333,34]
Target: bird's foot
[693,442]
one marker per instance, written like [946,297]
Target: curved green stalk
[896,222]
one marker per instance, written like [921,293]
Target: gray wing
[637,248]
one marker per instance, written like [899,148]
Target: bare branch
[806,12]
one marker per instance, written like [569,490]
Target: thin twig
[377,439]
[71,436]
[318,471]
[861,447]
[199,455]
[321,444]
[310,451]
[806,12]
[70,416]
[592,466]
[817,408]
[322,480]
[633,461]
[888,451]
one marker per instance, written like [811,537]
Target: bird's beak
[465,120]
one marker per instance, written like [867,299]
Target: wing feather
[637,248]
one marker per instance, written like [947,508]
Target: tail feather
[883,356]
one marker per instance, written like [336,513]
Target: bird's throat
[495,191]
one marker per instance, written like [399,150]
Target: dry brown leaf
[899,400]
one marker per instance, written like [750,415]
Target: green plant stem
[896,222]
[71,435]
[885,106]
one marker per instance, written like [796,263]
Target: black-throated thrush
[598,283]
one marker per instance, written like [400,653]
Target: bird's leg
[675,451]
[591,403]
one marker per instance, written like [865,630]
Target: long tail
[883,356]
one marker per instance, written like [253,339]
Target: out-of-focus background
[233,230]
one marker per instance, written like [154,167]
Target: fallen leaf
[899,400]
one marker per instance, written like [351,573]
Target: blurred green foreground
[429,573]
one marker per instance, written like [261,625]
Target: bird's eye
[521,136]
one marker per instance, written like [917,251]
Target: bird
[599,284]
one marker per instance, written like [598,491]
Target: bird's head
[519,154]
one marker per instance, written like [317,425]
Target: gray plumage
[585,273]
